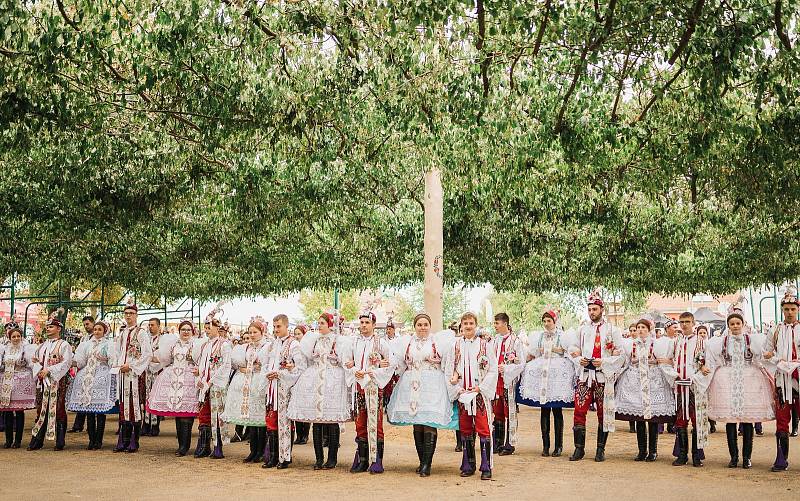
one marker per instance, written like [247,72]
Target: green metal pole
[336,298]
[13,289]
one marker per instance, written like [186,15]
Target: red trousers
[361,415]
[500,406]
[783,411]
[584,396]
[479,423]
[681,419]
[204,416]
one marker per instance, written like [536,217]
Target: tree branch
[697,8]
[479,43]
[542,25]
[660,93]
[782,35]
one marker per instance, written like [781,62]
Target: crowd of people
[277,387]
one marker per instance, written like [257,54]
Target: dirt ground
[155,473]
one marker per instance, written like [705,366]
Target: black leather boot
[499,437]
[795,420]
[100,429]
[602,437]
[697,458]
[429,447]
[747,445]
[61,435]
[136,431]
[641,440]
[78,424]
[468,462]
[363,457]
[19,428]
[8,421]
[419,438]
[733,444]
[683,446]
[91,427]
[301,430]
[459,442]
[319,451]
[579,437]
[544,424]
[334,435]
[652,442]
[558,431]
[271,450]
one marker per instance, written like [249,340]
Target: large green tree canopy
[228,147]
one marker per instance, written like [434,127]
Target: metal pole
[13,289]
[336,299]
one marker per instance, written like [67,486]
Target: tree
[313,303]
[213,148]
[525,309]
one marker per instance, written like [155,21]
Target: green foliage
[525,309]
[411,301]
[215,148]
[314,303]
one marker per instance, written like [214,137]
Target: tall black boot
[363,457]
[252,457]
[683,446]
[19,428]
[78,424]
[179,425]
[558,431]
[733,444]
[419,438]
[544,424]
[652,441]
[238,434]
[795,419]
[429,448]
[319,451]
[459,441]
[100,423]
[579,437]
[631,426]
[37,441]
[641,440]
[468,466]
[136,432]
[602,437]
[747,445]
[271,450]
[301,429]
[498,436]
[697,457]
[377,466]
[8,422]
[61,435]
[204,441]
[334,435]
[91,427]
[155,427]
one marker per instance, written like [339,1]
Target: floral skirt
[629,401]
[256,412]
[103,393]
[433,404]
[560,384]
[335,397]
[173,395]
[757,393]
[23,392]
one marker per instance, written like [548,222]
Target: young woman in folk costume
[94,390]
[782,358]
[598,359]
[321,395]
[420,397]
[213,374]
[472,372]
[741,389]
[51,362]
[643,391]
[509,350]
[548,380]
[368,372]
[174,392]
[283,364]
[301,429]
[245,402]
[151,425]
[17,384]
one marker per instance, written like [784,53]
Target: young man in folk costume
[472,372]
[283,365]
[132,356]
[391,335]
[509,351]
[51,363]
[80,417]
[782,358]
[213,373]
[688,361]
[368,373]
[598,360]
[151,426]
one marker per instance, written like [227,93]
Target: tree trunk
[434,247]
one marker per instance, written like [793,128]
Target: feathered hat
[595,298]
[54,318]
[790,296]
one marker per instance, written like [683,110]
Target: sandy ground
[155,473]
